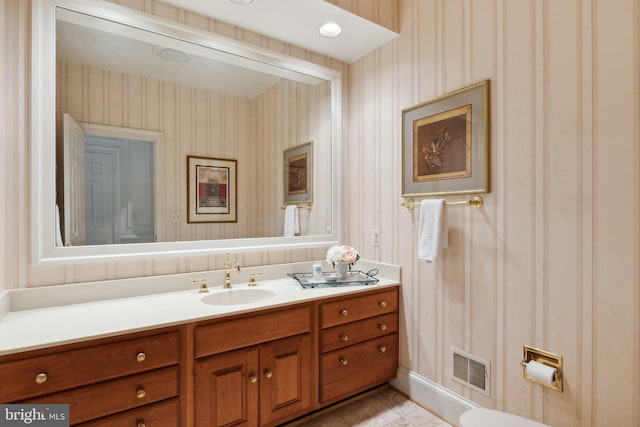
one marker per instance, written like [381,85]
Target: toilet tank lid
[481,417]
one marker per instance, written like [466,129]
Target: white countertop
[36,320]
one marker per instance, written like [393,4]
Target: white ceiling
[297,22]
[109,45]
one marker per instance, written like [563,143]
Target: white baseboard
[444,402]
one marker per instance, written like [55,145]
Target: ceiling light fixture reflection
[330,29]
[242,1]
[171,55]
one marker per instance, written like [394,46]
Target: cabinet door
[285,383]
[227,389]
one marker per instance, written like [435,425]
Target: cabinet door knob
[41,378]
[141,424]
[253,378]
[382,348]
[140,357]
[382,327]
[344,360]
[268,373]
[344,312]
[344,337]
[141,393]
[382,304]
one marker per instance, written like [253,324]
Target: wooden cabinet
[159,414]
[285,388]
[259,368]
[358,343]
[263,384]
[98,380]
[227,388]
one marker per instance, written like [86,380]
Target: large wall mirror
[122,100]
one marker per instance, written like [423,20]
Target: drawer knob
[141,393]
[344,360]
[382,304]
[344,312]
[141,424]
[344,337]
[41,378]
[268,373]
[382,348]
[253,378]
[140,357]
[382,327]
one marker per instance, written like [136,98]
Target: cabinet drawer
[23,379]
[355,368]
[355,332]
[96,401]
[233,334]
[163,414]
[352,309]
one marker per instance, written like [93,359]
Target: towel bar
[475,202]
[306,206]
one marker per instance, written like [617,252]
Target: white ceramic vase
[342,269]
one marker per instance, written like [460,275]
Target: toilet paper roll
[541,372]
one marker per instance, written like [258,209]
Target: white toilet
[481,417]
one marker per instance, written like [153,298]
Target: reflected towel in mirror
[291,221]
[58,229]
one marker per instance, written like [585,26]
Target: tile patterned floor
[384,407]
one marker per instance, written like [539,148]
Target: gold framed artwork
[211,190]
[298,174]
[445,144]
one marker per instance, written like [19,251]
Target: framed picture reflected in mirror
[298,174]
[211,190]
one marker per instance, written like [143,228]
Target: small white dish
[331,277]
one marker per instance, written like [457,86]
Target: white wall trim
[444,402]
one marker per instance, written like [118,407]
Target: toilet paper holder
[544,357]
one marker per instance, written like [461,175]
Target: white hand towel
[58,230]
[430,229]
[291,221]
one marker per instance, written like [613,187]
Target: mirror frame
[43,186]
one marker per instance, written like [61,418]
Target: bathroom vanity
[249,364]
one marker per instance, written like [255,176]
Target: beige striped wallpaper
[553,258]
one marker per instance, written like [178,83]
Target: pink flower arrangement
[344,254]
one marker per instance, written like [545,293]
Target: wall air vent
[470,370]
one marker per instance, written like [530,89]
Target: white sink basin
[238,296]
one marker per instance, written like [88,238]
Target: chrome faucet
[227,272]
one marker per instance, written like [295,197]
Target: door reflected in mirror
[112,186]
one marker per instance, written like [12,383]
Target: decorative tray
[329,279]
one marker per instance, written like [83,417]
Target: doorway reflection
[119,190]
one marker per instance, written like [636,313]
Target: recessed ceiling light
[242,1]
[330,29]
[171,55]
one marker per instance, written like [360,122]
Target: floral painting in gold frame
[445,144]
